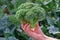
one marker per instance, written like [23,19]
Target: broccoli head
[31,12]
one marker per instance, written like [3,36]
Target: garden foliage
[48,10]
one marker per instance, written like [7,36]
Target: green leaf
[1,12]
[13,19]
[58,24]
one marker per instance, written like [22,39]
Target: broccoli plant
[31,13]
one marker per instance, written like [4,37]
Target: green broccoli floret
[31,12]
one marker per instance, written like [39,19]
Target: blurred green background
[10,28]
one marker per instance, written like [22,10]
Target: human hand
[37,33]
[32,33]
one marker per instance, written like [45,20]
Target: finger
[37,25]
[27,28]
[24,27]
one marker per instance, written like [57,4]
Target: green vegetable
[30,12]
[13,19]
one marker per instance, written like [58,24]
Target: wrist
[41,37]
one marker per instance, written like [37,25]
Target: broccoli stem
[33,22]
